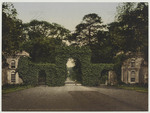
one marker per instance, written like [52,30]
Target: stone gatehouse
[134,70]
[9,74]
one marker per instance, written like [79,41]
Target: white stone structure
[134,70]
[10,74]
[112,78]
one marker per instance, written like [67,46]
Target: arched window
[133,63]
[13,77]
[132,76]
[13,64]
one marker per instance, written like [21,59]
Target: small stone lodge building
[134,70]
[9,75]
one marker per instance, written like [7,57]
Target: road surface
[73,97]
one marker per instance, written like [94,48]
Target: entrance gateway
[55,74]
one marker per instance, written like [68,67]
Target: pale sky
[67,14]
[70,63]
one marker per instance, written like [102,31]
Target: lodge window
[132,63]
[132,79]
[12,64]
[13,77]
[132,76]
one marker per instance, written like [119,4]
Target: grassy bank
[13,88]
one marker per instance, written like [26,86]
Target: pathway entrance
[71,82]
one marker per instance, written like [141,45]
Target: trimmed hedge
[56,74]
[91,73]
[29,72]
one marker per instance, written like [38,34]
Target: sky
[70,62]
[67,14]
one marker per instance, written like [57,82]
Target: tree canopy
[37,29]
[41,39]
[86,31]
[11,30]
[130,31]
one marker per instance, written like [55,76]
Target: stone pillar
[112,78]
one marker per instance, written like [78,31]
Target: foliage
[130,32]
[56,73]
[92,32]
[36,29]
[82,54]
[118,60]
[42,50]
[134,87]
[42,38]
[11,30]
[8,88]
[29,72]
[103,51]
[92,73]
[4,63]
[86,31]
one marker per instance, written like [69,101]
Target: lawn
[13,88]
[136,88]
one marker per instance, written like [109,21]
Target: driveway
[74,98]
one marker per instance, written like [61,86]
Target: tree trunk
[89,36]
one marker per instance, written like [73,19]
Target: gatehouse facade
[9,74]
[134,70]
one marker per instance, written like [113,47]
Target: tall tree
[103,51]
[36,29]
[11,30]
[86,31]
[41,39]
[130,31]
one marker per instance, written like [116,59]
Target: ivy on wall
[56,73]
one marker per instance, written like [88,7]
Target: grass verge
[13,88]
[136,88]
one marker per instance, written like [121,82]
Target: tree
[36,29]
[103,51]
[11,30]
[91,32]
[42,50]
[86,31]
[130,31]
[42,38]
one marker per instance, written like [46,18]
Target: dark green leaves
[86,31]
[11,30]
